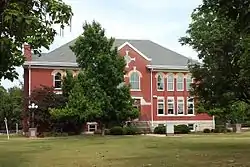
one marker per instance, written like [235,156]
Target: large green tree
[29,21]
[220,33]
[98,94]
[11,106]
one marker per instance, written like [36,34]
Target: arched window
[134,80]
[58,80]
[180,82]
[170,82]
[189,81]
[160,82]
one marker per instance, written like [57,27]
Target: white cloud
[163,21]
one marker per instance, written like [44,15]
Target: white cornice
[135,49]
[50,64]
[167,67]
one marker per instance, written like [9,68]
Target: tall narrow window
[170,82]
[180,106]
[160,106]
[180,82]
[190,106]
[170,106]
[134,81]
[188,82]
[58,81]
[160,82]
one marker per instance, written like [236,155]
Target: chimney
[27,52]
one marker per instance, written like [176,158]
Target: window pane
[179,86]
[58,84]
[180,109]
[160,111]
[160,82]
[171,108]
[135,80]
[191,126]
[170,86]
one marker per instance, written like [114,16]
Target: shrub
[229,130]
[52,134]
[130,130]
[160,130]
[116,130]
[98,132]
[181,129]
[206,130]
[217,130]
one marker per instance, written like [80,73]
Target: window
[190,106]
[179,82]
[188,82]
[134,81]
[171,106]
[160,106]
[58,81]
[180,106]
[191,127]
[170,84]
[160,82]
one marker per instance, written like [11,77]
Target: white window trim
[172,82]
[163,79]
[164,110]
[183,102]
[177,75]
[192,81]
[172,98]
[189,103]
[54,80]
[140,76]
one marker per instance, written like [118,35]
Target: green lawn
[127,151]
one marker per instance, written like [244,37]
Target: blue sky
[162,21]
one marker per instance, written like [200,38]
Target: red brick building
[159,80]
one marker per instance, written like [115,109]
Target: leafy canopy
[220,33]
[97,94]
[29,21]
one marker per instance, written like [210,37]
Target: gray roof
[159,54]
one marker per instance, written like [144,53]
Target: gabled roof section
[155,53]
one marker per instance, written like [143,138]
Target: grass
[127,151]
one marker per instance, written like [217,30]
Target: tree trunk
[103,129]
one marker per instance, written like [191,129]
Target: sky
[162,21]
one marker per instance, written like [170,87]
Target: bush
[229,130]
[206,130]
[181,129]
[160,130]
[217,130]
[98,132]
[130,130]
[116,130]
[107,132]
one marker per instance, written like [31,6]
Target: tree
[219,32]
[11,106]
[98,94]
[28,21]
[68,83]
[45,98]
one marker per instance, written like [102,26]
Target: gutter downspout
[151,95]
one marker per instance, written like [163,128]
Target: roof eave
[50,64]
[167,67]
